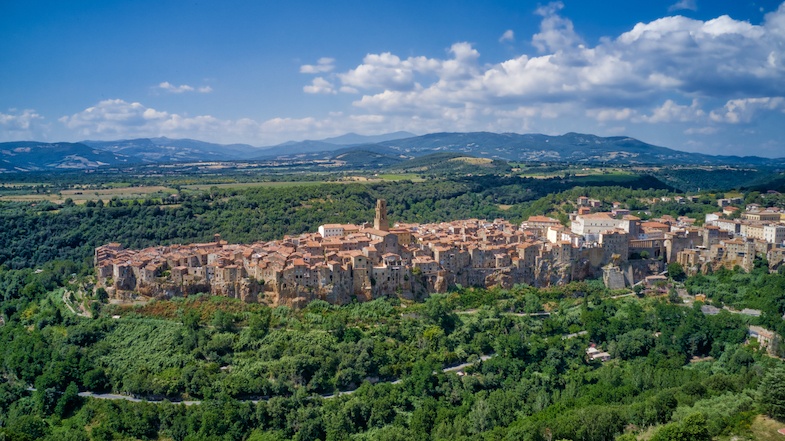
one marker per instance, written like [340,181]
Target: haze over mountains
[380,150]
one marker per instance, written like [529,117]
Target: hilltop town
[342,262]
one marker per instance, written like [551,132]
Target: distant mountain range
[365,151]
[25,156]
[569,148]
[355,139]
[174,150]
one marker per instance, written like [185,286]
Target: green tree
[223,321]
[423,418]
[632,344]
[771,393]
[68,401]
[191,320]
[437,311]
[101,295]
[692,428]
[261,435]
[28,427]
[676,272]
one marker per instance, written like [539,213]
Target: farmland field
[80,196]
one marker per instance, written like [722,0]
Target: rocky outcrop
[646,267]
[583,269]
[548,273]
[502,279]
[613,277]
[245,289]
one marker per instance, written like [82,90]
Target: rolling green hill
[32,156]
[452,162]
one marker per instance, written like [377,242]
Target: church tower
[380,222]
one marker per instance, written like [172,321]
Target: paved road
[568,336]
[88,394]
[132,399]
[623,295]
[463,366]
[517,314]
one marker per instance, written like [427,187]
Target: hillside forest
[488,364]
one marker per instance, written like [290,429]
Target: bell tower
[380,222]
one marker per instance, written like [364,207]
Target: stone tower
[380,222]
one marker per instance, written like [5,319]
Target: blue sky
[693,75]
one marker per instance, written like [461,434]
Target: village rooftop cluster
[342,262]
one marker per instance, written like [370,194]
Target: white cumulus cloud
[384,70]
[323,65]
[610,114]
[671,70]
[507,36]
[659,77]
[319,85]
[745,109]
[17,125]
[120,119]
[171,88]
[670,111]
[556,32]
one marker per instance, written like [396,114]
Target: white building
[774,233]
[588,225]
[331,230]
[591,225]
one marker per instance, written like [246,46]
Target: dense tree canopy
[264,373]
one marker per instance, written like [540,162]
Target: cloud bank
[117,118]
[16,125]
[668,62]
[671,75]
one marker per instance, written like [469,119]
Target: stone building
[341,263]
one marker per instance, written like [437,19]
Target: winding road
[110,396]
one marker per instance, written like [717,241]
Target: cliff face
[502,279]
[583,269]
[342,291]
[549,273]
[646,267]
[292,295]
[346,263]
[341,285]
[244,289]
